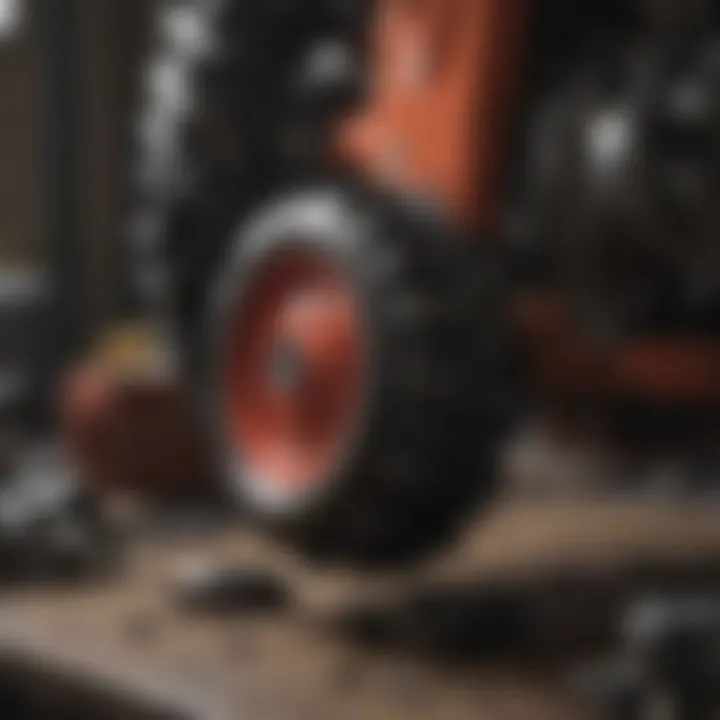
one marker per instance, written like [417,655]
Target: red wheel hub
[294,370]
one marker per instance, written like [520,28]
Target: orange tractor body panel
[443,77]
[437,122]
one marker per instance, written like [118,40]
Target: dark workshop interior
[359,359]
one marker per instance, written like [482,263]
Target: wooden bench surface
[126,635]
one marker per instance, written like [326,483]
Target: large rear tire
[412,393]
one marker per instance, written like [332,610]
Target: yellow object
[129,350]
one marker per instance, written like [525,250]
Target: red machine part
[442,82]
[667,369]
[294,369]
[133,435]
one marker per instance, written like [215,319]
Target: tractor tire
[412,399]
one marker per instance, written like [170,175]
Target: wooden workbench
[124,635]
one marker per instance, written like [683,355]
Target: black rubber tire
[423,457]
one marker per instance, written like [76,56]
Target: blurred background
[68,73]
[606,601]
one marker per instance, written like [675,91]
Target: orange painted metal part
[667,369]
[437,119]
[290,430]
[443,79]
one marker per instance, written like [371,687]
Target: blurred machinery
[349,379]
[379,237]
[668,662]
[381,233]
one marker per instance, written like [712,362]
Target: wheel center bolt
[288,368]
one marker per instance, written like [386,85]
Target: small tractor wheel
[355,375]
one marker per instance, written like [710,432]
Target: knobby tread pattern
[425,458]
[209,152]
